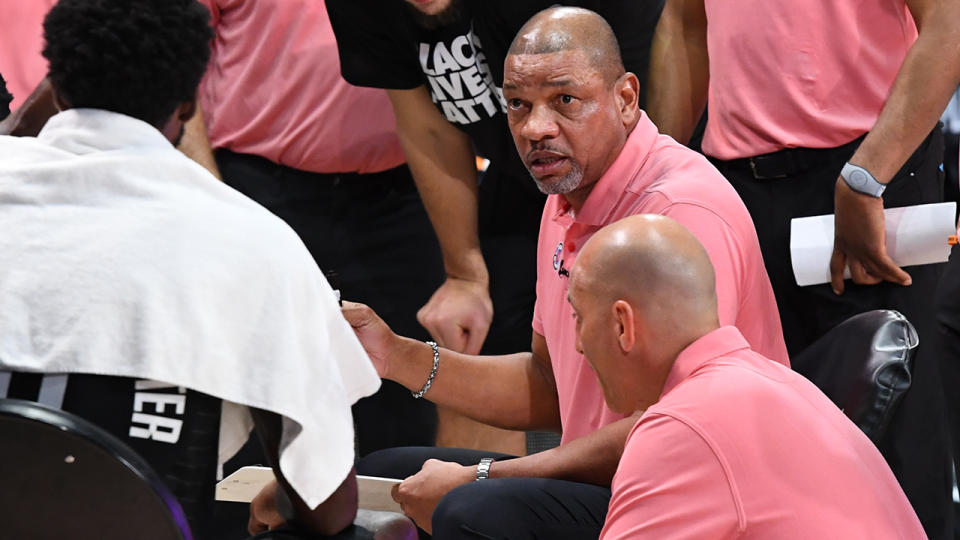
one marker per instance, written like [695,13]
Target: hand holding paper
[914,235]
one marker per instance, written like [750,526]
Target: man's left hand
[860,241]
[419,494]
[264,514]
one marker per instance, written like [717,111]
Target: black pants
[500,508]
[373,232]
[916,444]
[951,176]
[948,328]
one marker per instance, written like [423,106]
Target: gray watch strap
[860,180]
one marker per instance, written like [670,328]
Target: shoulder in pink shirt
[21,43]
[652,175]
[273,89]
[741,447]
[811,74]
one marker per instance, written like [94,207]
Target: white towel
[120,256]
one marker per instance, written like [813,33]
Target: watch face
[858,179]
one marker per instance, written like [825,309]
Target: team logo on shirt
[556,257]
[460,80]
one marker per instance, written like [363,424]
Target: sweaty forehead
[539,40]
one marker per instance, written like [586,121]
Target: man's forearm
[442,162]
[927,78]
[679,69]
[30,117]
[509,391]
[332,515]
[591,459]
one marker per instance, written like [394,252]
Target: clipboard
[245,483]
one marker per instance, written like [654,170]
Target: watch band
[483,469]
[860,180]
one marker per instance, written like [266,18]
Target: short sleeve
[718,239]
[670,484]
[375,46]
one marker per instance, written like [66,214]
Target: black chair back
[863,365]
[66,478]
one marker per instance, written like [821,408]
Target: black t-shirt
[383,45]
[174,429]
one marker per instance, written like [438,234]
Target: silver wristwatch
[860,180]
[483,469]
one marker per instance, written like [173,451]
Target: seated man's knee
[483,509]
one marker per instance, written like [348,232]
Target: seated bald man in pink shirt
[572,110]
[731,444]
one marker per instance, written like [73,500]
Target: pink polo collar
[625,169]
[720,342]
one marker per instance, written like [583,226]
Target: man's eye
[515,103]
[566,99]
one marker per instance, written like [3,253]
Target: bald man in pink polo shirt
[653,174]
[731,444]
[829,107]
[572,110]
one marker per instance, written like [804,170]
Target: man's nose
[540,124]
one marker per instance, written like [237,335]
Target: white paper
[915,235]
[374,494]
[245,483]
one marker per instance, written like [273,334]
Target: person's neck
[674,343]
[578,197]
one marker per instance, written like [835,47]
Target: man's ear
[627,90]
[58,101]
[186,110]
[625,319]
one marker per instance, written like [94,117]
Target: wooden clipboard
[245,483]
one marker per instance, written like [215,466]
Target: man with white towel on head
[139,292]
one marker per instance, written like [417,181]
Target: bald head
[567,28]
[642,290]
[655,264]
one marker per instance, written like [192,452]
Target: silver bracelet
[433,372]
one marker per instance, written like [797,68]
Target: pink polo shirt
[809,74]
[652,175]
[21,44]
[741,447]
[273,89]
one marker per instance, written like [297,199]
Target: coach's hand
[419,494]
[860,241]
[458,315]
[374,334]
